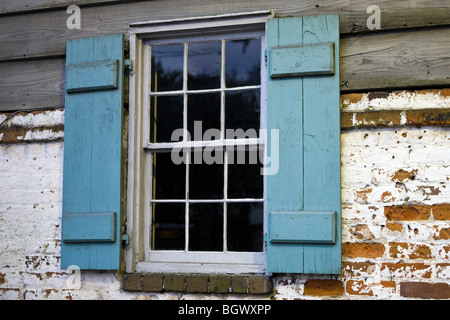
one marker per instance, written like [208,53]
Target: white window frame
[138,256]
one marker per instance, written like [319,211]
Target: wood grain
[33,84]
[44,33]
[409,59]
[381,61]
[15,6]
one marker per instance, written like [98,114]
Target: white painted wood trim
[216,21]
[227,143]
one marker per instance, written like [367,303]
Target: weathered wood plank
[99,75]
[301,61]
[303,227]
[321,145]
[32,84]
[15,6]
[89,227]
[44,33]
[285,113]
[92,161]
[397,60]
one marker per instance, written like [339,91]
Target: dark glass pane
[206,227]
[242,111]
[244,174]
[169,179]
[206,180]
[168,226]
[166,115]
[203,113]
[167,68]
[245,227]
[242,62]
[204,64]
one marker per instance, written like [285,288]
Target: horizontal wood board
[44,33]
[368,62]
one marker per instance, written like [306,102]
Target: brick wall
[395,209]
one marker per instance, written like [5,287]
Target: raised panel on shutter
[303,198]
[92,181]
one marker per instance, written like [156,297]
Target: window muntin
[198,206]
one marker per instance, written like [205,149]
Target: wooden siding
[410,50]
[15,6]
[353,15]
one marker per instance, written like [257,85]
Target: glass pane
[242,62]
[244,174]
[204,64]
[168,226]
[206,180]
[242,111]
[166,115]
[169,179]
[245,227]
[206,227]
[203,113]
[167,68]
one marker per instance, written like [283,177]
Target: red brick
[174,282]
[425,290]
[428,91]
[132,282]
[152,282]
[363,250]
[446,92]
[356,269]
[323,288]
[408,269]
[377,95]
[407,212]
[378,118]
[362,232]
[428,117]
[359,287]
[394,226]
[259,285]
[349,98]
[239,284]
[346,120]
[404,250]
[444,252]
[443,270]
[197,283]
[401,175]
[220,284]
[441,211]
[441,233]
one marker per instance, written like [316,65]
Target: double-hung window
[198,121]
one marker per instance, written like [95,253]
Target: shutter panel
[303,197]
[92,181]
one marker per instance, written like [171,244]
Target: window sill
[197,283]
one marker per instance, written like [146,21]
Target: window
[196,150]
[300,189]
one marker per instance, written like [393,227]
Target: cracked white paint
[46,134]
[42,119]
[31,197]
[398,100]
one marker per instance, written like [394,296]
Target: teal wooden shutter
[303,197]
[92,180]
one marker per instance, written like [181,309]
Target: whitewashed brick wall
[381,166]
